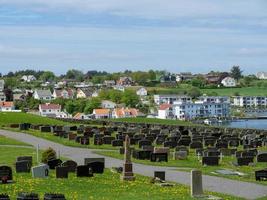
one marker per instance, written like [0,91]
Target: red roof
[49,106]
[6,104]
[164,106]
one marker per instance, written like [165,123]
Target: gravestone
[90,160]
[46,129]
[182,148]
[262,157]
[97,167]
[161,150]
[160,175]
[27,196]
[159,157]
[170,144]
[41,171]
[244,161]
[4,197]
[180,155]
[142,154]
[84,171]
[54,197]
[144,143]
[72,136]
[127,174]
[5,174]
[23,166]
[210,161]
[70,164]
[261,175]
[28,158]
[108,139]
[196,183]
[84,141]
[62,172]
[117,143]
[226,152]
[54,163]
[196,145]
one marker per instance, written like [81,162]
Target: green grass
[8,141]
[17,118]
[246,91]
[101,186]
[192,162]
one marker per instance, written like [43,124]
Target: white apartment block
[250,101]
[170,99]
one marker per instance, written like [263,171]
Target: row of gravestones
[33,196]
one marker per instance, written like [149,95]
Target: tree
[198,82]
[75,74]
[48,154]
[47,76]
[194,92]
[236,72]
[130,98]
[94,103]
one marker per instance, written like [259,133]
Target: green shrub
[48,154]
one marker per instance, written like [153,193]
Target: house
[215,77]
[228,82]
[63,93]
[165,111]
[125,81]
[125,112]
[82,116]
[7,106]
[51,110]
[168,78]
[2,96]
[170,98]
[19,97]
[102,113]
[44,95]
[119,88]
[186,76]
[108,104]
[84,85]
[2,85]
[250,101]
[109,83]
[84,93]
[28,78]
[141,92]
[262,75]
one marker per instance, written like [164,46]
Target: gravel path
[210,183]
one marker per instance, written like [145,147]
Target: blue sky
[115,35]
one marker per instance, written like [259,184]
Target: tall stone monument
[127,174]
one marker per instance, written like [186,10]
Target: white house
[45,95]
[51,110]
[186,76]
[250,101]
[262,75]
[170,98]
[2,85]
[141,92]
[7,106]
[119,87]
[108,104]
[228,82]
[102,113]
[28,78]
[165,111]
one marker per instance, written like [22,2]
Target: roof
[87,91]
[78,116]
[101,111]
[121,112]
[59,92]
[6,104]
[50,106]
[43,93]
[164,106]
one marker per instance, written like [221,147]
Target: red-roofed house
[7,106]
[165,111]
[124,112]
[51,110]
[102,113]
[64,93]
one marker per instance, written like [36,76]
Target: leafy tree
[71,107]
[92,104]
[198,82]
[130,98]
[47,76]
[48,154]
[236,72]
[194,92]
[75,74]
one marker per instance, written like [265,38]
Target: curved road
[210,183]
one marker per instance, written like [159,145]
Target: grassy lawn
[192,162]
[8,141]
[101,186]
[246,91]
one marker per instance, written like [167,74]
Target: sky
[115,35]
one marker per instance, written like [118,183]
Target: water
[251,123]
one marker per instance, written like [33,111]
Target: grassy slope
[248,91]
[8,141]
[106,186]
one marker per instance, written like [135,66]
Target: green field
[247,91]
[8,141]
[192,162]
[101,186]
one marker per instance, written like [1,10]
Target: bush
[48,154]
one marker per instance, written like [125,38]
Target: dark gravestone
[4,197]
[5,174]
[117,143]
[160,175]
[221,144]
[23,166]
[24,126]
[54,163]
[27,196]
[72,136]
[70,164]
[233,143]
[98,141]
[62,172]
[108,139]
[209,142]
[196,145]
[144,143]
[84,171]
[22,158]
[46,129]
[159,140]
[184,142]
[261,175]
[171,144]
[85,141]
[142,154]
[244,161]
[211,153]
[14,125]
[97,167]
[262,157]
[159,157]
[199,151]
[54,197]
[210,161]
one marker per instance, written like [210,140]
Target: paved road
[210,183]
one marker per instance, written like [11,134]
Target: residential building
[165,111]
[119,87]
[63,93]
[168,78]
[2,85]
[7,106]
[82,116]
[28,78]
[228,82]
[170,98]
[186,76]
[214,99]
[262,75]
[125,113]
[102,113]
[84,85]
[84,93]
[19,97]
[108,104]
[51,110]
[250,101]
[141,92]
[215,77]
[125,81]
[109,83]
[44,95]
